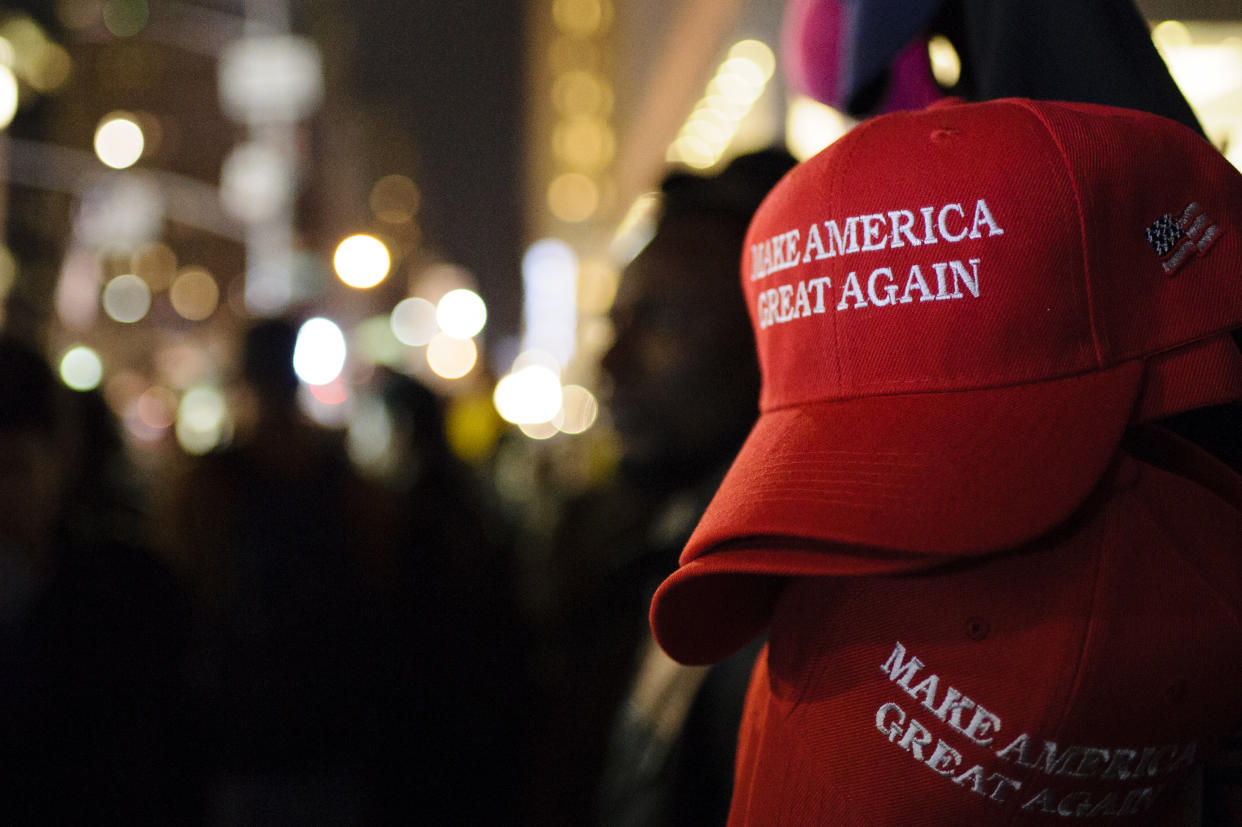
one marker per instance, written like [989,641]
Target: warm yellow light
[451,358]
[567,52]
[529,395]
[693,151]
[1171,34]
[579,410]
[707,130]
[1207,75]
[739,82]
[194,294]
[579,93]
[471,426]
[8,271]
[597,286]
[8,96]
[745,70]
[361,261]
[539,430]
[581,18]
[586,143]
[155,263]
[573,197]
[946,66]
[735,89]
[118,140]
[810,126]
[758,53]
[51,69]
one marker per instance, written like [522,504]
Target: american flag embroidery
[1176,239]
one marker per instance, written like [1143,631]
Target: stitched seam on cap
[1082,224]
[1090,634]
[1003,386]
[842,161]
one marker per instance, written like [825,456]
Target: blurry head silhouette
[419,441]
[267,361]
[683,366]
[33,447]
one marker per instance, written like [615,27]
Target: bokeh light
[579,410]
[81,368]
[394,199]
[126,298]
[598,280]
[946,66]
[810,126]
[202,419]
[8,270]
[584,142]
[8,96]
[758,53]
[126,18]
[471,426]
[369,438]
[529,395]
[738,83]
[155,263]
[573,197]
[539,430]
[77,289]
[50,69]
[461,313]
[118,140]
[549,298]
[156,407]
[256,181]
[413,321]
[333,393]
[361,261]
[319,352]
[451,358]
[194,294]
[581,18]
[376,344]
[579,93]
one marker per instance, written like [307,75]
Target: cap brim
[714,605]
[887,484]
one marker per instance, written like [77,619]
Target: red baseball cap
[958,312]
[1085,676]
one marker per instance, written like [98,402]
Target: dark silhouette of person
[459,652]
[627,737]
[94,628]
[287,548]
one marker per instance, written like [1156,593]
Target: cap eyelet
[977,628]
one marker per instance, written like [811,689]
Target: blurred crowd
[277,637]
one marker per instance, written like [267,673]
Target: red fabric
[1090,673]
[1041,321]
